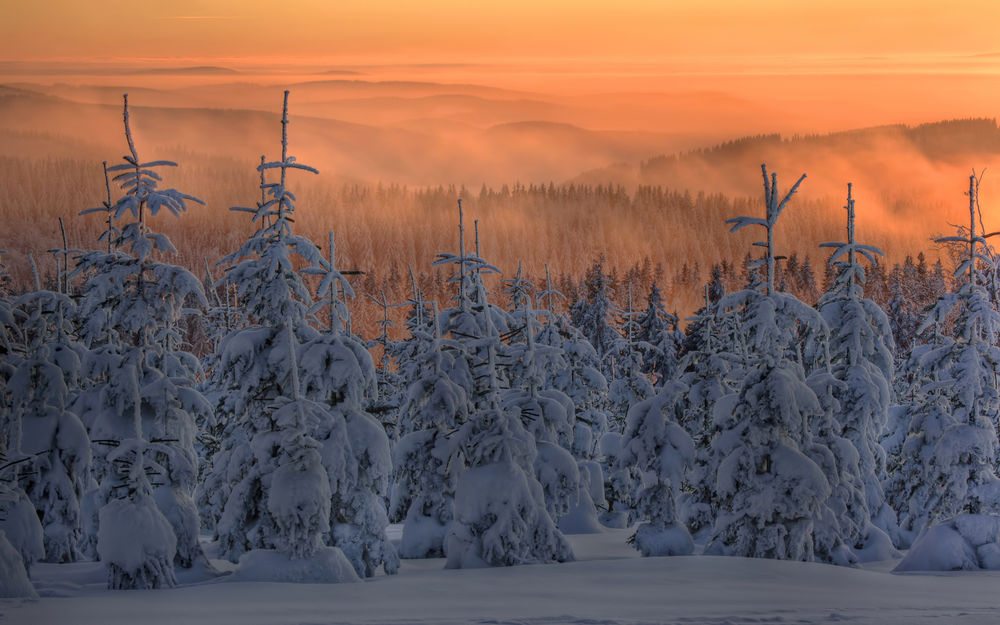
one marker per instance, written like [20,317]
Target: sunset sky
[912,35]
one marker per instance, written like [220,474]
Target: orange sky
[915,34]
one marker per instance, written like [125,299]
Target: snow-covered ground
[607,585]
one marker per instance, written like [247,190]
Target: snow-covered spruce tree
[500,514]
[407,355]
[658,339]
[593,314]
[276,424]
[53,441]
[661,450]
[707,372]
[949,457]
[843,522]
[629,385]
[549,415]
[472,318]
[694,334]
[426,462]
[14,582]
[861,356]
[135,541]
[518,290]
[904,319]
[574,368]
[142,380]
[385,402]
[769,489]
[567,363]
[337,369]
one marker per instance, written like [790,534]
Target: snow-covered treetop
[850,275]
[138,296]
[470,267]
[518,289]
[547,296]
[331,287]
[973,257]
[272,291]
[774,207]
[139,180]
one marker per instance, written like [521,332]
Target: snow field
[609,584]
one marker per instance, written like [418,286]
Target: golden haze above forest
[365,126]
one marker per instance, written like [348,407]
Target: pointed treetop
[774,208]
[850,275]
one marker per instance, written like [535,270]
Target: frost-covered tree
[707,373]
[44,380]
[136,542]
[769,489]
[949,457]
[500,514]
[426,462]
[14,582]
[389,383]
[904,319]
[573,367]
[661,450]
[629,385]
[338,370]
[861,356]
[473,320]
[843,523]
[549,415]
[658,339]
[407,355]
[593,311]
[18,520]
[142,381]
[285,389]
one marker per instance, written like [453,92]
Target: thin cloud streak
[203,17]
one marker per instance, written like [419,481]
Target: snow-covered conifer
[136,542]
[18,519]
[292,397]
[500,514]
[337,369]
[661,450]
[574,368]
[658,339]
[43,383]
[948,460]
[593,316]
[861,356]
[769,489]
[707,373]
[549,415]
[426,465]
[142,380]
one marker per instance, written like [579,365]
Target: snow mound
[13,578]
[423,536]
[654,540]
[967,542]
[581,518]
[876,546]
[328,565]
